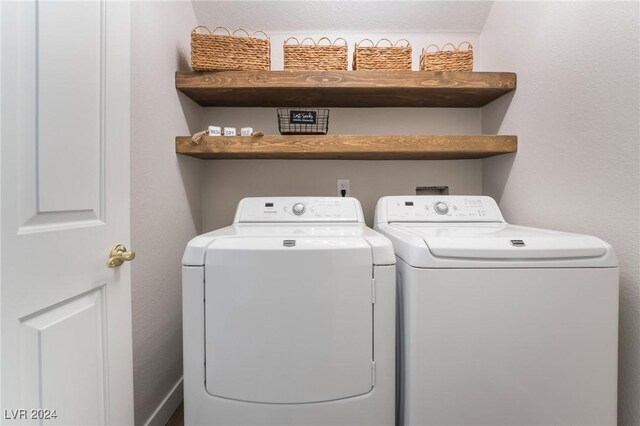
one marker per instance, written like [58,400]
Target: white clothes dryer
[289,318]
[500,324]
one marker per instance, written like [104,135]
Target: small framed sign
[303,117]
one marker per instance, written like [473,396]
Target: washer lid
[495,246]
[506,242]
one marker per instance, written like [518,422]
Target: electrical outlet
[343,185]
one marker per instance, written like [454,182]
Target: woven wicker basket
[382,58]
[316,56]
[447,60]
[214,52]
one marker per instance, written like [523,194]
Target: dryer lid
[503,241]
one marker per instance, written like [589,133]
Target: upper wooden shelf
[352,147]
[345,88]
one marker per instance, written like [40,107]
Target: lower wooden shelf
[349,147]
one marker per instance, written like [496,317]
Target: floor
[177,419]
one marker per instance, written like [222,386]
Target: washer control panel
[440,208]
[299,209]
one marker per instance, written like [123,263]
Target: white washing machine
[289,318]
[501,324]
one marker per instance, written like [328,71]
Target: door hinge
[373,291]
[373,373]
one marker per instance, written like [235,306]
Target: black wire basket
[303,121]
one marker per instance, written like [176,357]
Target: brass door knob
[119,255]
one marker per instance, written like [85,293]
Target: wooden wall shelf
[345,88]
[351,147]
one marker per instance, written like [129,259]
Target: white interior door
[65,317]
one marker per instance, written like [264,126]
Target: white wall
[227,181]
[576,113]
[165,198]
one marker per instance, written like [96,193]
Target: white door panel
[61,113]
[50,366]
[66,317]
[70,105]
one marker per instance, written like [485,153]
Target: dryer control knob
[298,209]
[441,208]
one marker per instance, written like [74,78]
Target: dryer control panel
[438,208]
[299,209]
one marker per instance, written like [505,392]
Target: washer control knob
[298,209]
[441,208]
